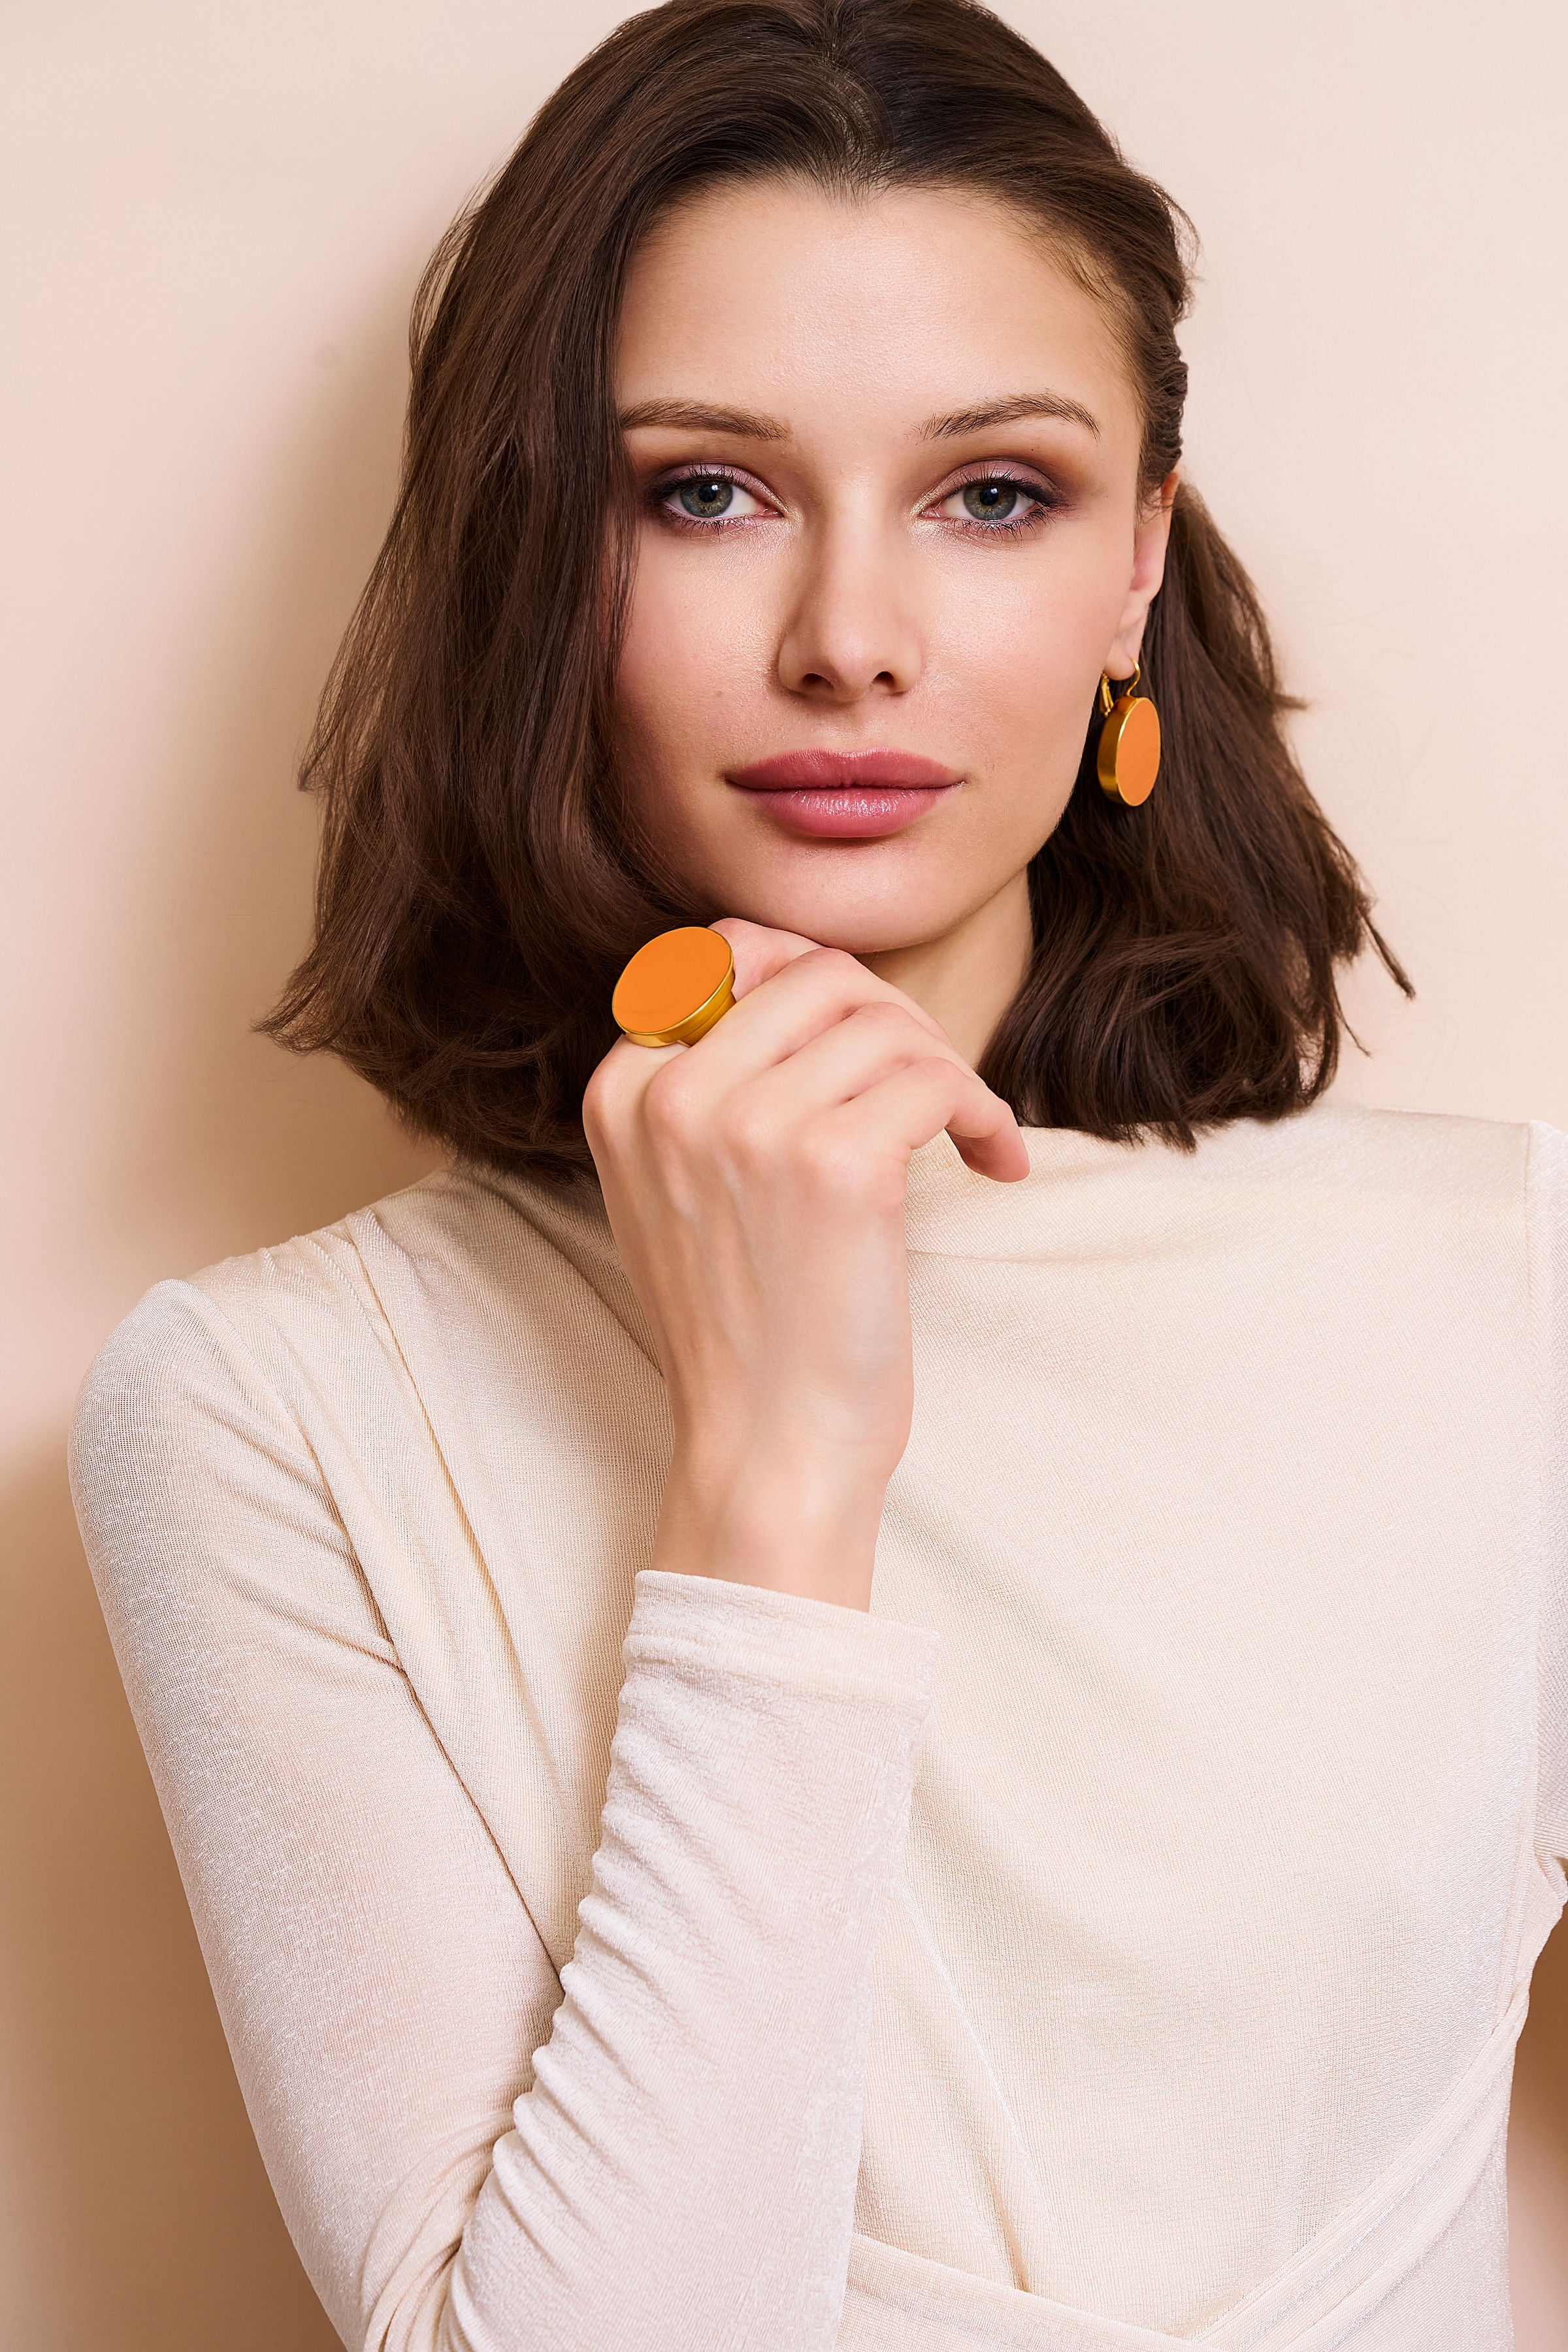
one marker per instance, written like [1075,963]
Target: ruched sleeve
[660,2147]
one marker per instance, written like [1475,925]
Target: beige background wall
[216,214]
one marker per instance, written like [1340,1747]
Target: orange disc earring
[1127,760]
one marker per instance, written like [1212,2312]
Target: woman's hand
[755,1186]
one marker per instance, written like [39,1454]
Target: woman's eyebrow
[697,416]
[1009,412]
[701,416]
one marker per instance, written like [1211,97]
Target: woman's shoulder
[1446,1172]
[1442,1151]
[1390,1205]
[1340,1172]
[1431,1187]
[328,1309]
[1448,1160]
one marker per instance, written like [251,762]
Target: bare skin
[911,444]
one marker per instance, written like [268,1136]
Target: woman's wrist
[773,1519]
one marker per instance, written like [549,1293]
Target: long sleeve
[658,2150]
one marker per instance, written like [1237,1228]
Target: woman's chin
[846,913]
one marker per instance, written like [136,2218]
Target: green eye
[991,501]
[706,495]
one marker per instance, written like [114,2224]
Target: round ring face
[675,987]
[1128,757]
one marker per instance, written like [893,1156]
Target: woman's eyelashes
[987,502]
[996,504]
[707,498]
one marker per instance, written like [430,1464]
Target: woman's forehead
[782,300]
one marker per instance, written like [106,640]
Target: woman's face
[890,536]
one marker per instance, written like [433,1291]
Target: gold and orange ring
[675,987]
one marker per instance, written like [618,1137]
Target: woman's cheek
[683,649]
[1029,662]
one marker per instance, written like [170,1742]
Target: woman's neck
[968,977]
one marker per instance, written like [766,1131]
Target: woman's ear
[1150,540]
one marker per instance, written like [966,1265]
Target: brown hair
[479,890]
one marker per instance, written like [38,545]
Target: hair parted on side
[479,890]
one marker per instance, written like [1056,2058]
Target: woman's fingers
[760,951]
[803,997]
[913,1104]
[626,1073]
[823,1029]
[811,1030]
[868,1045]
[760,954]
[842,1061]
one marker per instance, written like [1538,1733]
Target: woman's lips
[847,795]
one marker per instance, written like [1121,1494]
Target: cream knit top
[1116,1938]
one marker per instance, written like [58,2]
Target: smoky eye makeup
[704,498]
[989,502]
[996,500]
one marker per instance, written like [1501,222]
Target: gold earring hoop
[1127,760]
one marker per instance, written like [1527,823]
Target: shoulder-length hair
[479,887]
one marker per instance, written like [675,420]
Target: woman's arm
[679,2168]
[680,2171]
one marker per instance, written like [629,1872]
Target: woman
[633,1925]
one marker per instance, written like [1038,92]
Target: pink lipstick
[847,795]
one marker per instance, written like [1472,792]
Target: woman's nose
[850,629]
